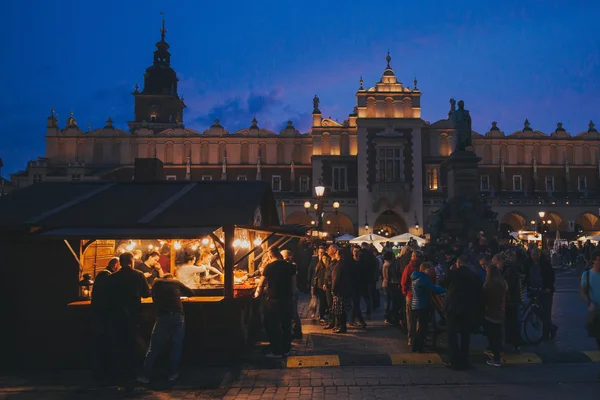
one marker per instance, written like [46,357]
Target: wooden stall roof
[137,206]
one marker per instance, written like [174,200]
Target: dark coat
[463,293]
[341,274]
[546,270]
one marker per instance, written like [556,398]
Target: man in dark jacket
[341,287]
[360,288]
[368,270]
[127,287]
[539,275]
[514,300]
[462,296]
[102,325]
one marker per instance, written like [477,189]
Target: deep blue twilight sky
[509,60]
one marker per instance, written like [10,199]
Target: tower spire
[163,31]
[388,59]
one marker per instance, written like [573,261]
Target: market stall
[227,225]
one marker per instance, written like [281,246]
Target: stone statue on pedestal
[461,119]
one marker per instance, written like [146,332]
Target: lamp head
[541,214]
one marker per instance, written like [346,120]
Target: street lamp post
[542,224]
[320,205]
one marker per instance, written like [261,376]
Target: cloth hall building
[383,164]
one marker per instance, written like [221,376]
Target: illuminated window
[433,177]
[171,177]
[339,179]
[391,164]
[517,183]
[484,183]
[276,183]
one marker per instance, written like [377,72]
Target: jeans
[102,351]
[420,317]
[546,300]
[513,325]
[393,297]
[375,296]
[322,301]
[297,326]
[124,334]
[459,324]
[408,317]
[278,324]
[356,311]
[166,326]
[493,331]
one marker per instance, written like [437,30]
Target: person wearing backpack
[590,292]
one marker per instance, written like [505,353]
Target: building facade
[384,164]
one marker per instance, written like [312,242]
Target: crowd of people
[476,288]
[468,289]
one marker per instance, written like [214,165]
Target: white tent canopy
[369,238]
[344,237]
[405,238]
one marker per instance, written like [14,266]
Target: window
[445,148]
[98,152]
[38,177]
[304,184]
[488,157]
[245,154]
[280,153]
[298,153]
[276,183]
[391,164]
[517,183]
[242,178]
[484,183]
[520,154]
[207,177]
[204,153]
[171,177]
[76,177]
[326,144]
[587,155]
[582,183]
[169,153]
[553,154]
[549,183]
[344,144]
[433,177]
[339,179]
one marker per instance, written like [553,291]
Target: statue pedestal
[464,214]
[462,174]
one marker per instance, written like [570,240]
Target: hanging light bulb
[205,242]
[195,247]
[130,246]
[212,245]
[177,245]
[237,243]
[257,241]
[150,247]
[246,244]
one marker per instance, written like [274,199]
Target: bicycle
[531,318]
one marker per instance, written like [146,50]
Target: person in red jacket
[414,264]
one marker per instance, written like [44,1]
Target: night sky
[536,59]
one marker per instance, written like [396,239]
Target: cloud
[235,111]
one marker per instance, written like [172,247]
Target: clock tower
[158,105]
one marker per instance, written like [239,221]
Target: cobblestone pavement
[547,381]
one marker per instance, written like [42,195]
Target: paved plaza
[374,363]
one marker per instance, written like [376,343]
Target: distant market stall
[53,235]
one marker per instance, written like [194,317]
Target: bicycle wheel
[533,327]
